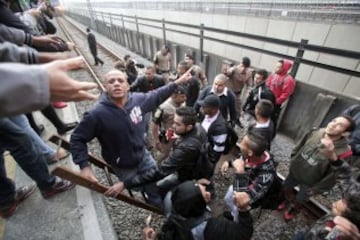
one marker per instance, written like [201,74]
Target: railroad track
[313,209]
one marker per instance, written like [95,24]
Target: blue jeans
[20,144]
[23,122]
[146,163]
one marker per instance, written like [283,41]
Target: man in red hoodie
[281,84]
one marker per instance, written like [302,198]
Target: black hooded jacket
[190,220]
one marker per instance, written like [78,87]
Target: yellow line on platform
[10,165]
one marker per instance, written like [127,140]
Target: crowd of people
[192,124]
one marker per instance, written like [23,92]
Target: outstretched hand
[184,78]
[63,87]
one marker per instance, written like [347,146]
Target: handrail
[287,43]
[204,31]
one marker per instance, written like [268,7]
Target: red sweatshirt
[282,84]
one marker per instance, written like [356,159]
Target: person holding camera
[163,120]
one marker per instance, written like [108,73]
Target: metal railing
[315,10]
[115,29]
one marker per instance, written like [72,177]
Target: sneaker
[59,155]
[59,186]
[290,214]
[59,104]
[20,195]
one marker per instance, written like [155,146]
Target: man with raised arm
[117,121]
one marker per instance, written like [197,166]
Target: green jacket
[311,168]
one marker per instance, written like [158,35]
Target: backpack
[231,139]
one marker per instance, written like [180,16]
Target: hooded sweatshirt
[282,84]
[120,131]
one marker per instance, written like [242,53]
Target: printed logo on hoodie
[136,115]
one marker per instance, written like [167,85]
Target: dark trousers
[96,58]
[50,113]
[275,117]
[19,143]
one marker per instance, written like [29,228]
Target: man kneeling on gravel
[117,121]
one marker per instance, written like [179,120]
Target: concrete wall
[344,36]
[307,99]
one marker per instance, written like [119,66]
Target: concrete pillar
[154,46]
[175,55]
[205,65]
[158,44]
[142,44]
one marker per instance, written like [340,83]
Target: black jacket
[259,92]
[227,103]
[216,138]
[92,43]
[8,18]
[141,84]
[267,133]
[184,156]
[192,91]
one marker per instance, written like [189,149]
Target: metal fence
[113,26]
[314,10]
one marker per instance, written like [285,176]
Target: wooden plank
[94,160]
[74,177]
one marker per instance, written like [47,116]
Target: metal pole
[112,33]
[201,42]
[138,35]
[164,31]
[299,55]
[126,40]
[91,14]
[104,24]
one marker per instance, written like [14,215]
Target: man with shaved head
[226,96]
[117,121]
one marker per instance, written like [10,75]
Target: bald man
[117,121]
[226,96]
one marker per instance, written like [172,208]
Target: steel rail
[93,74]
